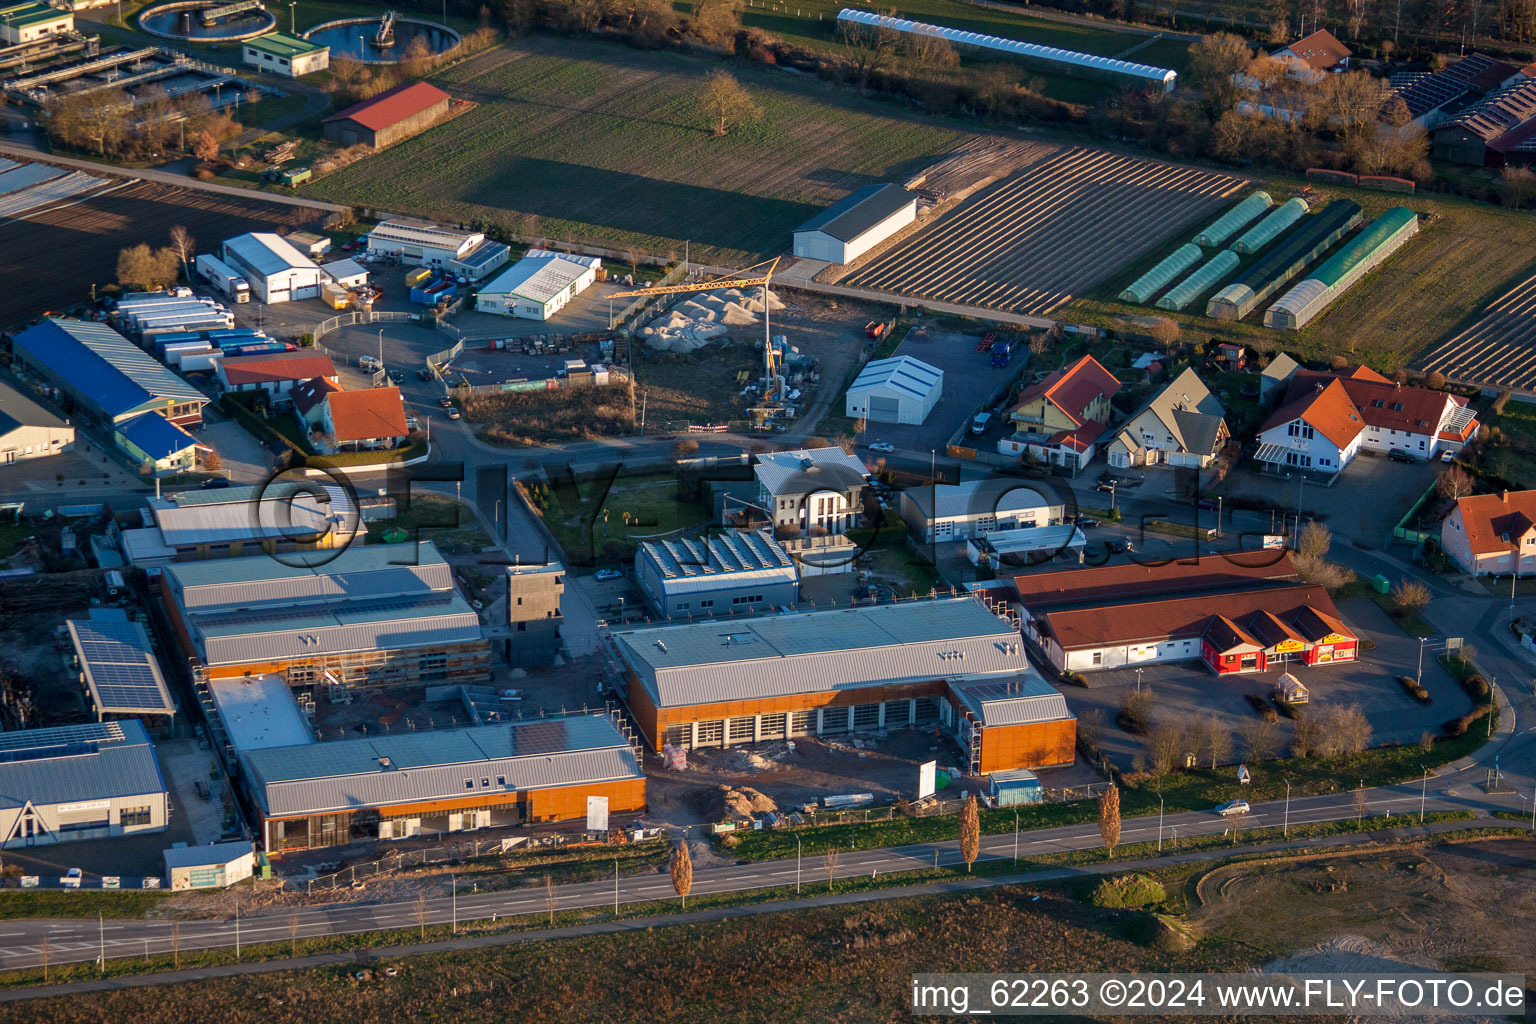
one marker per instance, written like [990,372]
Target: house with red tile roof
[1311,57]
[1492,533]
[276,373]
[388,117]
[366,420]
[1061,419]
[1326,418]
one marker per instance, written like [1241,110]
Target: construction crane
[773,367]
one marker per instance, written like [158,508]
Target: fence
[336,323]
[436,854]
[936,808]
[615,376]
[1402,531]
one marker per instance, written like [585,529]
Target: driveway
[244,459]
[1392,487]
[970,382]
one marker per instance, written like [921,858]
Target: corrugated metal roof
[156,436]
[267,253]
[271,512]
[829,468]
[536,278]
[512,757]
[1016,700]
[319,630]
[813,652]
[392,106]
[53,766]
[985,497]
[374,569]
[910,376]
[206,856]
[430,235]
[105,367]
[856,213]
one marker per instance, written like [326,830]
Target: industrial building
[424,245]
[1492,533]
[32,21]
[909,665]
[275,270]
[392,115]
[896,390]
[1433,99]
[119,670]
[400,785]
[940,513]
[276,373]
[1182,425]
[28,431]
[102,375]
[730,573]
[1238,612]
[1004,549]
[374,615]
[158,445]
[74,782]
[534,593]
[537,287]
[278,53]
[855,224]
[347,273]
[231,522]
[215,866]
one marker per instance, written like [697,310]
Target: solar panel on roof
[538,738]
[61,735]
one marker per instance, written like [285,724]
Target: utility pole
[237,926]
[101,932]
[1423,793]
[291,30]
[1285,832]
[615,886]
[453,880]
[1015,835]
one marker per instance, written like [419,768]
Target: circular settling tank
[185,21]
[358,39]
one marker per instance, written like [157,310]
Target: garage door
[884,410]
[274,295]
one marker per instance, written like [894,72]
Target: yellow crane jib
[708,286]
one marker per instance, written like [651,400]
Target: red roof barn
[388,117]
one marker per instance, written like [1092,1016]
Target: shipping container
[1015,788]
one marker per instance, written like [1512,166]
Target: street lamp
[291,5]
[1423,793]
[381,348]
[797,864]
[1285,832]
[1015,835]
[1138,680]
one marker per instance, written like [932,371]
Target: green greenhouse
[1274,222]
[1233,221]
[1200,282]
[1338,273]
[1141,290]
[1268,275]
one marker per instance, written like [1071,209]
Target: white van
[979,424]
[370,363]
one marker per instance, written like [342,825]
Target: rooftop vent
[662,644]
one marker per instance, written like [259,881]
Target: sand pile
[741,802]
[749,761]
[700,319]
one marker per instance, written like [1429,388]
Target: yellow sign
[1287,646]
[1334,638]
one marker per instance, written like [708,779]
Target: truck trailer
[218,274]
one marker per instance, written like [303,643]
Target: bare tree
[1217,743]
[1426,741]
[970,831]
[293,933]
[551,899]
[1166,744]
[716,22]
[868,48]
[185,248]
[726,103]
[1315,540]
[1215,62]
[176,944]
[1258,738]
[1109,818]
[682,871]
[1454,483]
[1359,802]
[1517,187]
[829,861]
[1090,725]
[1165,331]
[45,951]
[1411,595]
[421,913]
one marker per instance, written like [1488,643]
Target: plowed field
[1499,350]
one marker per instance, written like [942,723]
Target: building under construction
[951,664]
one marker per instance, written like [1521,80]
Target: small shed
[1291,690]
[310,244]
[896,390]
[346,273]
[215,866]
[1016,787]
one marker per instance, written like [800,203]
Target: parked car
[214,483]
[72,878]
[445,402]
[1232,808]
[883,447]
[1207,504]
[1105,485]
[1398,455]
[423,374]
[511,695]
[1116,547]
[453,413]
[604,575]
[1447,456]
[1087,523]
[396,377]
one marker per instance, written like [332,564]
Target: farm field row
[1050,231]
[1465,257]
[1499,350]
[594,142]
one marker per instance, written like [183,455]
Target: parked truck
[1002,350]
[218,274]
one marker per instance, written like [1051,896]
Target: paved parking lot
[969,382]
[1190,691]
[1393,488]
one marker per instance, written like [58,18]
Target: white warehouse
[275,270]
[425,245]
[856,224]
[896,390]
[79,782]
[537,287]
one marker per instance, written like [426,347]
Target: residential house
[276,373]
[1183,425]
[1313,57]
[1276,377]
[814,495]
[370,419]
[1061,419]
[1326,418]
[1492,533]
[158,445]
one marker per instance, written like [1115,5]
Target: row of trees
[110,123]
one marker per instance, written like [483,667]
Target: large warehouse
[538,287]
[27,430]
[79,782]
[227,522]
[721,684]
[375,615]
[388,117]
[856,224]
[273,267]
[896,390]
[730,573]
[940,513]
[103,375]
[422,245]
[400,785]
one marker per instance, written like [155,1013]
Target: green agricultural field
[1465,255]
[595,142]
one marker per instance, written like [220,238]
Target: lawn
[596,142]
[437,518]
[654,503]
[1466,255]
[1514,462]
